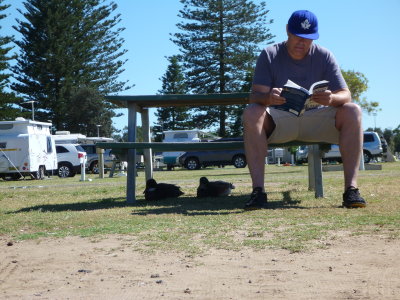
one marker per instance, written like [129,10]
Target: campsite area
[66,239]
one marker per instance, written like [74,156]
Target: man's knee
[350,109]
[253,112]
[348,113]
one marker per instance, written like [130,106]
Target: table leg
[148,157]
[315,171]
[131,172]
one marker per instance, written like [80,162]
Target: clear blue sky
[363,35]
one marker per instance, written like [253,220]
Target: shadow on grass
[183,205]
[209,206]
[78,206]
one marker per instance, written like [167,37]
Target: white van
[372,149]
[26,149]
[179,136]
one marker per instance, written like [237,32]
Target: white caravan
[66,137]
[180,136]
[26,149]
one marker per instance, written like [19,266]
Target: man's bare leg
[348,122]
[258,124]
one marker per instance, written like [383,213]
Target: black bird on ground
[214,188]
[157,191]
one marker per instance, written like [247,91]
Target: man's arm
[329,98]
[263,95]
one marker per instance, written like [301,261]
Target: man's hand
[329,98]
[275,97]
[323,98]
[265,96]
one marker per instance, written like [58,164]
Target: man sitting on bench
[337,120]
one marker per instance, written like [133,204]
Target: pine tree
[69,47]
[8,101]
[219,41]
[87,111]
[173,82]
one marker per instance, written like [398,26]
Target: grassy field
[295,221]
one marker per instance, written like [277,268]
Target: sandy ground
[77,268]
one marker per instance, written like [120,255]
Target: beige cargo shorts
[315,125]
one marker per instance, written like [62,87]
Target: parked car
[372,145]
[384,144]
[372,148]
[169,158]
[69,159]
[302,154]
[93,158]
[194,160]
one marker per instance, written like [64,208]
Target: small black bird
[213,188]
[157,191]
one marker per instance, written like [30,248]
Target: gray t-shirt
[275,66]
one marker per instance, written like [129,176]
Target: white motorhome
[179,136]
[26,149]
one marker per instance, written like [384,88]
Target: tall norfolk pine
[8,109]
[67,46]
[219,41]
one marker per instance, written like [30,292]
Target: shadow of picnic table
[183,205]
[209,206]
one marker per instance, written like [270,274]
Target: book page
[291,84]
[318,86]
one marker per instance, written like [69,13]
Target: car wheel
[239,161]
[367,157]
[94,168]
[192,163]
[40,173]
[64,171]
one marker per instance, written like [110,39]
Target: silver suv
[372,148]
[69,159]
[93,158]
[194,160]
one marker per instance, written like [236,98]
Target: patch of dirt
[363,267]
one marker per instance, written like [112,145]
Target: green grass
[295,221]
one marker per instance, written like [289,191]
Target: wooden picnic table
[142,103]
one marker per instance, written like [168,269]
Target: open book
[298,99]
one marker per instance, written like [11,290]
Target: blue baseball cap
[304,23]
